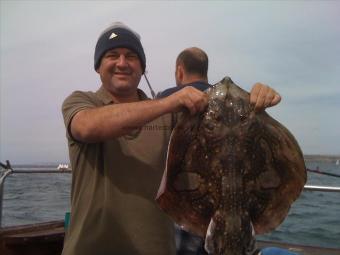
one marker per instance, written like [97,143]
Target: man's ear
[97,69]
[180,72]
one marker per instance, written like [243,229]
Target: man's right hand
[190,98]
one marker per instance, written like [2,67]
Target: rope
[317,171]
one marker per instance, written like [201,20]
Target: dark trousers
[189,244]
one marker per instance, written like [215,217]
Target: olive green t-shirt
[114,184]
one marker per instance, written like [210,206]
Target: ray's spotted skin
[229,170]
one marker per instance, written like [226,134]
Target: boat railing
[8,170]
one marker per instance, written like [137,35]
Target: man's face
[120,71]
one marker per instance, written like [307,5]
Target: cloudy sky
[47,52]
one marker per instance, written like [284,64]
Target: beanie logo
[113,35]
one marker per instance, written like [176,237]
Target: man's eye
[113,56]
[131,56]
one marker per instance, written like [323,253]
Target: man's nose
[121,61]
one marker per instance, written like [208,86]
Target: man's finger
[254,93]
[260,98]
[276,99]
[268,99]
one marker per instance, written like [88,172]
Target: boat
[47,238]
[38,239]
[63,167]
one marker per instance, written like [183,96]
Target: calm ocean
[314,218]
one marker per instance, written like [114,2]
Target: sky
[47,50]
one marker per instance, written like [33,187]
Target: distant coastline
[323,158]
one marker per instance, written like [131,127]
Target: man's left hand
[263,96]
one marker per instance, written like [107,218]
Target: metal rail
[321,188]
[41,171]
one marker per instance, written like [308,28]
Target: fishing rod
[317,171]
[151,90]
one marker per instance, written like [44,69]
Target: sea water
[314,219]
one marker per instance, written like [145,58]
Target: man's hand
[192,99]
[263,96]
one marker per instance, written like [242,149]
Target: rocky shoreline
[323,158]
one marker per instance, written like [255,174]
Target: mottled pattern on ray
[230,166]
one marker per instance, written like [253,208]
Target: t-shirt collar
[106,97]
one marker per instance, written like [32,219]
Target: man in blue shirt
[191,70]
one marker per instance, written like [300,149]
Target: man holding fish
[117,141]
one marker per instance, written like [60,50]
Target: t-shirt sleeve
[74,103]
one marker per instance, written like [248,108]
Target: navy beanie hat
[118,36]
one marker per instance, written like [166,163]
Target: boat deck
[47,239]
